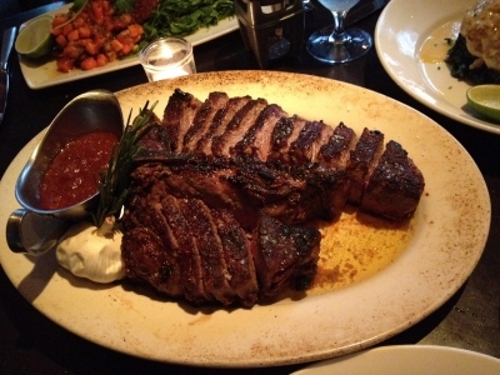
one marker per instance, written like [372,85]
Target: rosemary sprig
[113,183]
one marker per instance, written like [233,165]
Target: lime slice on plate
[485,100]
[35,39]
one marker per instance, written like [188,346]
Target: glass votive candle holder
[167,58]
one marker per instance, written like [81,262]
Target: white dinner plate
[401,31]
[408,360]
[441,245]
[45,74]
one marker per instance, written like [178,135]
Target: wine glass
[338,46]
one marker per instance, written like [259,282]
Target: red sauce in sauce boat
[60,178]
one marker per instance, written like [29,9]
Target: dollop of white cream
[89,253]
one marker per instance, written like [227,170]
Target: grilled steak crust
[187,251]
[208,243]
[178,117]
[147,258]
[364,159]
[220,200]
[257,140]
[183,248]
[238,258]
[285,257]
[335,152]
[203,120]
[285,132]
[247,186]
[220,122]
[395,185]
[236,128]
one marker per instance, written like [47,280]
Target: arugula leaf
[124,6]
[185,17]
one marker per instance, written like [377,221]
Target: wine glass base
[356,43]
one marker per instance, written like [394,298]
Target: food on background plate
[485,100]
[475,54]
[35,40]
[93,33]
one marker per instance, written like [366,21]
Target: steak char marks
[222,193]
[184,248]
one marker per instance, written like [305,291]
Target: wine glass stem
[338,36]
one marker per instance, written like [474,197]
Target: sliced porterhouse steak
[285,132]
[304,149]
[187,252]
[187,249]
[221,185]
[244,128]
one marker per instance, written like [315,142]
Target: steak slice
[336,151]
[188,254]
[213,263]
[238,258]
[285,132]
[363,160]
[203,119]
[220,123]
[178,117]
[311,137]
[147,260]
[257,140]
[395,186]
[285,256]
[235,130]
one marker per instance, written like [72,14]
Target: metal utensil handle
[7,42]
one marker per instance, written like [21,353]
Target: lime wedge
[485,100]
[35,39]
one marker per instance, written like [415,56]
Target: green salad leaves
[180,17]
[184,17]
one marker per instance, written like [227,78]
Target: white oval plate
[39,76]
[408,360]
[401,30]
[448,234]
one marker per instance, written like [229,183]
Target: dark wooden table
[32,344]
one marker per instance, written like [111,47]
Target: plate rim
[382,351]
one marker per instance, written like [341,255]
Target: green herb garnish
[113,183]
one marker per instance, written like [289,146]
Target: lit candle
[168,58]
